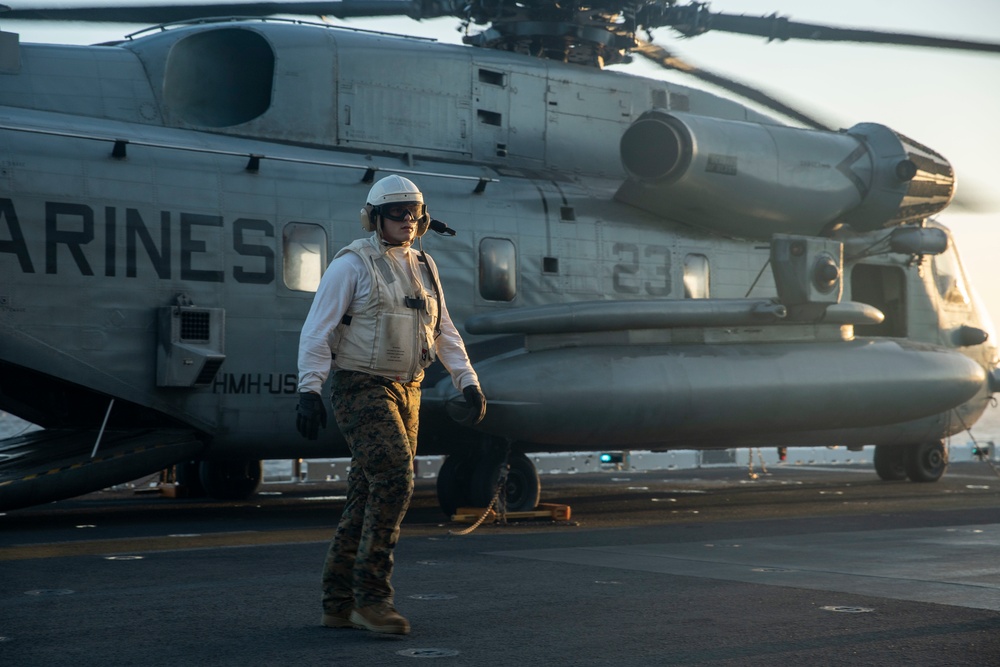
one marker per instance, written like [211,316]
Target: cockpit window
[883,287]
[950,279]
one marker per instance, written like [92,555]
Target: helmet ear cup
[423,224]
[367,219]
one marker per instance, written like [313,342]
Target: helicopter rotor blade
[695,19]
[667,60]
[163,13]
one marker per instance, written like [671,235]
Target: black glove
[476,403]
[311,415]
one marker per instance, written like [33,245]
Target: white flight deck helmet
[393,190]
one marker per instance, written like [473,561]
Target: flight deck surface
[820,565]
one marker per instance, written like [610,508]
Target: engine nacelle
[752,181]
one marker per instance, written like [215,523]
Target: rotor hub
[588,33]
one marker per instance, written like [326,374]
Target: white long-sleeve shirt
[344,287]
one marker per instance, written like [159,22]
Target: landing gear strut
[922,462]
[469,479]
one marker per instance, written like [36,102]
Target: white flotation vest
[393,334]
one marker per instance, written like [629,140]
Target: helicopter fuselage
[168,204]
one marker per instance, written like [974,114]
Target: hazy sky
[947,100]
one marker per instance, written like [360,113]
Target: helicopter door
[885,288]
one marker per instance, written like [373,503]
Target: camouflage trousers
[379,419]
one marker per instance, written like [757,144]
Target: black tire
[231,480]
[189,479]
[926,462]
[890,462]
[523,486]
[453,482]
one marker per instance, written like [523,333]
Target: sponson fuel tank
[751,180]
[662,396]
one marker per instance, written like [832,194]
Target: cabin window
[497,270]
[696,277]
[304,256]
[885,288]
[219,78]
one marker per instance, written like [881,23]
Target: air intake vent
[191,347]
[195,326]
[208,371]
[219,78]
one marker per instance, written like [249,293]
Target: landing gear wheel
[187,477]
[890,462]
[925,462]
[453,481]
[230,480]
[522,489]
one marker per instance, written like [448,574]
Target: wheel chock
[542,511]
[167,490]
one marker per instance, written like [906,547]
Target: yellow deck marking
[138,545]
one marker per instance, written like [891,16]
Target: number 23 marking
[626,276]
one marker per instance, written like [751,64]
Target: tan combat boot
[338,619]
[381,617]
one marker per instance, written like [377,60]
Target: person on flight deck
[378,319]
